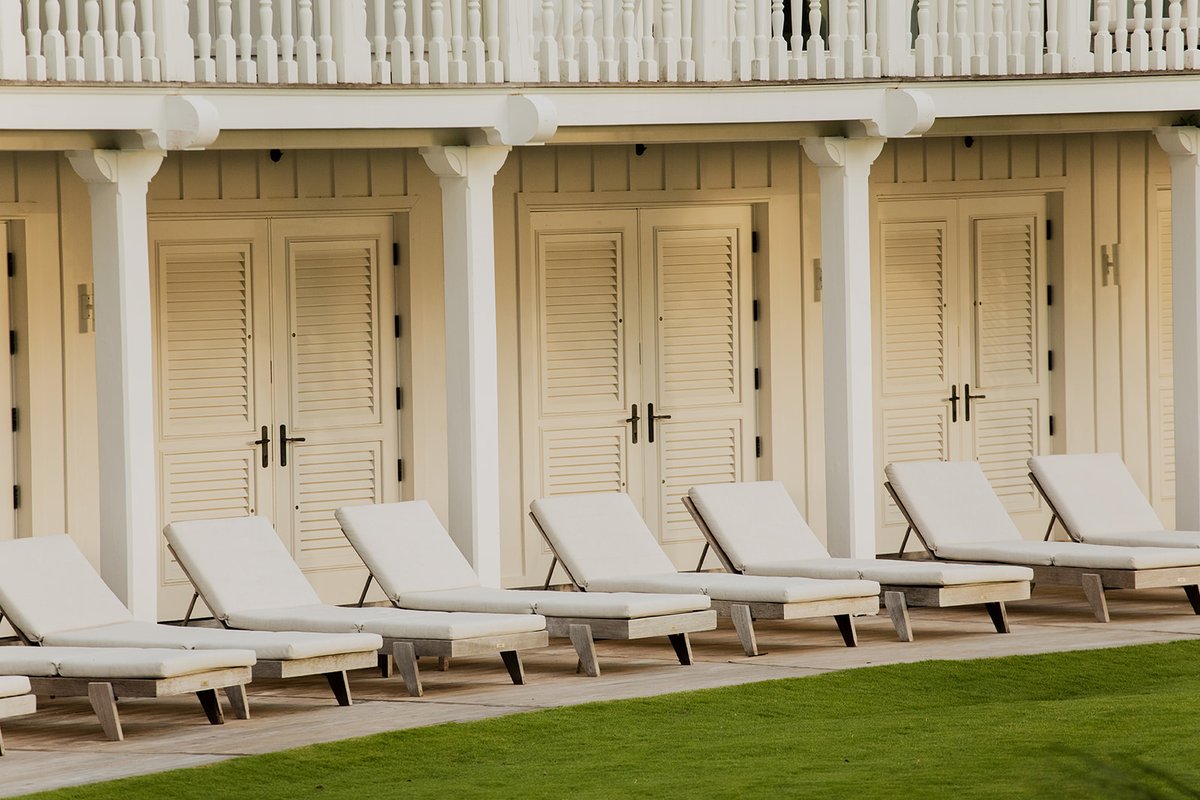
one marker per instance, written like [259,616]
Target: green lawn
[1108,723]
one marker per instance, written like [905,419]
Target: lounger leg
[581,639]
[1,745]
[1093,588]
[238,701]
[683,647]
[406,661]
[211,706]
[845,624]
[516,670]
[340,684]
[743,623]
[387,665]
[897,608]
[999,615]
[443,663]
[1193,596]
[104,703]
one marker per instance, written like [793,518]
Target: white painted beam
[117,183]
[851,476]
[1183,149]
[467,175]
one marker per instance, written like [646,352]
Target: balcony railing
[585,41]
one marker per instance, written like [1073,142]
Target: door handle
[968,397]
[633,420]
[283,444]
[953,400]
[265,443]
[652,417]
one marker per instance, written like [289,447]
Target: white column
[1183,149]
[467,175]
[117,183]
[852,479]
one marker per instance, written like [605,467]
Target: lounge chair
[102,674]
[249,581]
[15,699]
[1097,501]
[52,596]
[604,545]
[756,529]
[418,566]
[952,509]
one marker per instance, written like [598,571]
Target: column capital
[843,152]
[470,162]
[116,166]
[1180,142]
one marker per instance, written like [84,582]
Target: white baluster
[400,64]
[610,69]
[456,64]
[998,41]
[1103,40]
[1191,59]
[668,44]
[686,71]
[247,71]
[473,50]
[306,43]
[589,46]
[742,51]
[1121,37]
[35,62]
[942,63]
[439,47]
[267,52]
[1016,58]
[420,65]
[797,65]
[1139,43]
[648,65]
[326,66]
[836,61]
[288,70]
[778,54]
[1034,37]
[151,67]
[568,66]
[74,59]
[816,43]
[1158,53]
[226,46]
[871,61]
[548,45]
[627,51]
[760,16]
[961,55]
[491,35]
[114,70]
[979,58]
[1052,63]
[54,43]
[130,47]
[854,42]
[925,38]
[1175,40]
[381,68]
[206,67]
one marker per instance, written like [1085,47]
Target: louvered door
[335,387]
[212,351]
[697,361]
[1161,361]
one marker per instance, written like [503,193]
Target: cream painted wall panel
[1161,351]
[389,172]
[968,163]
[201,175]
[682,167]
[646,170]
[574,169]
[716,166]
[1132,167]
[538,169]
[351,174]
[909,157]
[610,168]
[276,180]
[939,159]
[239,175]
[8,178]
[1023,157]
[752,166]
[314,173]
[995,155]
[1050,156]
[1107,303]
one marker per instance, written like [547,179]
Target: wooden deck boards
[62,744]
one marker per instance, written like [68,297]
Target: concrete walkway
[62,745]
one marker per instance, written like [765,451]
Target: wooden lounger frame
[16,706]
[898,598]
[1092,581]
[583,631]
[744,614]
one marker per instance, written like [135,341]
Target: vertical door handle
[651,418]
[968,397]
[283,444]
[633,420]
[953,400]
[265,444]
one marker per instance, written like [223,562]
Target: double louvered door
[276,374]
[638,371]
[962,342]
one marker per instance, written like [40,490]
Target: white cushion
[406,548]
[596,605]
[741,588]
[1072,554]
[391,623]
[896,573]
[47,585]
[1094,493]
[950,502]
[121,662]
[287,646]
[756,522]
[13,685]
[239,563]
[600,536]
[1188,539]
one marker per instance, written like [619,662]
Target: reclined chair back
[1093,493]
[947,502]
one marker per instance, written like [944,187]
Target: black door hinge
[16,497]
[754,311]
[12,343]
[757,378]
[758,447]
[12,264]
[399,398]
[753,241]
[1049,295]
[1049,229]
[1051,424]
[395,254]
[396,326]
[400,469]
[16,420]
[1050,360]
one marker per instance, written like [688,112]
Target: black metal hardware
[1051,424]
[757,378]
[633,420]
[1050,361]
[953,400]
[967,398]
[754,310]
[758,447]
[16,497]
[652,417]
[753,241]
[12,264]
[1049,229]
[395,254]
[265,443]
[283,444]
[16,420]
[399,398]
[397,326]
[400,469]
[12,343]
[1049,295]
